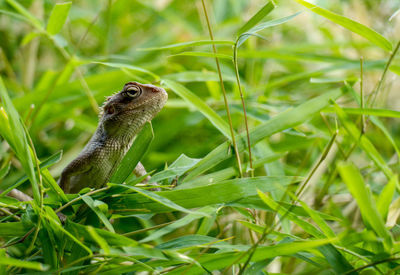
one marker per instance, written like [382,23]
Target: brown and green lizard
[122,117]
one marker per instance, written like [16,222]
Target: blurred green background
[58,78]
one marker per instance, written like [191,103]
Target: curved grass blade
[244,36]
[159,199]
[134,154]
[128,67]
[45,164]
[26,14]
[58,17]
[362,194]
[363,142]
[266,9]
[367,111]
[22,264]
[20,140]
[90,202]
[188,44]
[203,54]
[222,192]
[197,103]
[4,171]
[207,210]
[351,25]
[284,120]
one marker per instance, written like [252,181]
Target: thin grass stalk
[235,62]
[372,265]
[223,91]
[374,94]
[362,93]
[266,232]
[41,192]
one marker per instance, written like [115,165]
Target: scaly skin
[123,116]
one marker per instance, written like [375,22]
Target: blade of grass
[135,153]
[58,17]
[363,142]
[189,44]
[264,11]
[362,194]
[200,105]
[20,141]
[23,264]
[232,132]
[351,25]
[284,120]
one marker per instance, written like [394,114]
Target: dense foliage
[318,191]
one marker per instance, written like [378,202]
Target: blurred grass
[325,195]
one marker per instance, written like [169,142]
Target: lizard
[122,116]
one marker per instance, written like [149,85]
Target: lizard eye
[133,91]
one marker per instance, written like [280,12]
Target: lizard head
[128,110]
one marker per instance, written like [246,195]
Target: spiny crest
[107,98]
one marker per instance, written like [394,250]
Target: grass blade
[188,44]
[244,36]
[134,154]
[58,17]
[285,120]
[22,264]
[159,199]
[363,141]
[91,203]
[20,141]
[196,102]
[362,194]
[351,25]
[266,9]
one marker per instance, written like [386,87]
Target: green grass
[316,192]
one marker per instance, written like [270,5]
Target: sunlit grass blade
[160,199]
[363,141]
[362,194]
[188,44]
[179,224]
[14,229]
[244,36]
[222,192]
[19,137]
[222,260]
[308,227]
[112,239]
[386,196]
[4,171]
[284,120]
[43,166]
[128,67]
[203,54]
[351,25]
[58,17]
[134,154]
[197,103]
[23,264]
[91,203]
[197,76]
[367,111]
[26,14]
[100,241]
[264,11]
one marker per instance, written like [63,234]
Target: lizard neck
[120,141]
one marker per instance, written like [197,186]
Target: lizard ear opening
[109,109]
